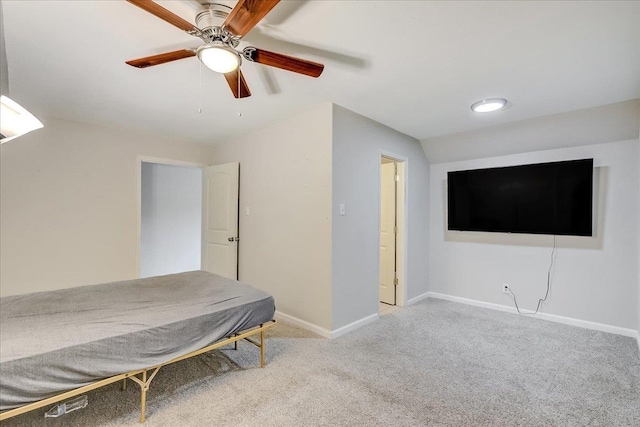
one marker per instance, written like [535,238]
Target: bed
[59,344]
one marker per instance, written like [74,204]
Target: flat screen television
[544,198]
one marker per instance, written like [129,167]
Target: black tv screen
[544,198]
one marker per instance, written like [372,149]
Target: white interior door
[387,233]
[220,185]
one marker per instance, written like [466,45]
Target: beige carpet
[433,364]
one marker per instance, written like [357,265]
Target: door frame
[402,209]
[160,161]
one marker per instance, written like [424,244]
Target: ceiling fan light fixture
[488,105]
[15,120]
[219,58]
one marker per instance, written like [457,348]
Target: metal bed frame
[140,376]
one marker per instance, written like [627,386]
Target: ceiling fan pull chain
[239,93]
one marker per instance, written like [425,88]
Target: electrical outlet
[505,289]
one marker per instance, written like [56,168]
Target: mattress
[55,341]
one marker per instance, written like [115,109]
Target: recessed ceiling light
[488,105]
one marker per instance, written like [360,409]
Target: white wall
[285,187]
[357,145]
[594,279]
[171,214]
[68,208]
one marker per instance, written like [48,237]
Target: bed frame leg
[144,387]
[124,384]
[143,397]
[235,343]
[262,348]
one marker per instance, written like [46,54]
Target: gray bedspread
[55,341]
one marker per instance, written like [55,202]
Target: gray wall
[171,219]
[474,265]
[357,142]
[593,279]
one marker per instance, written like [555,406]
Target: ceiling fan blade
[276,43]
[278,60]
[247,14]
[237,84]
[166,15]
[162,58]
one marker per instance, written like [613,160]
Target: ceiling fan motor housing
[211,20]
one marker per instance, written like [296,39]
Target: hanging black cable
[546,295]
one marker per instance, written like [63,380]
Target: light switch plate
[343,209]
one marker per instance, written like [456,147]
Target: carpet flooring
[436,363]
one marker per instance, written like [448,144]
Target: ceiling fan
[221,28]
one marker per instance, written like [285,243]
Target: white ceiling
[414,66]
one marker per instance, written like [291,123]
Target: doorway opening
[170,220]
[187,217]
[392,234]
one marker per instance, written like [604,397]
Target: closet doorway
[170,216]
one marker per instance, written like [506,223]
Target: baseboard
[369,319]
[303,324]
[354,325]
[550,317]
[322,331]
[418,298]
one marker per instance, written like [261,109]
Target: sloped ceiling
[414,66]
[607,123]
